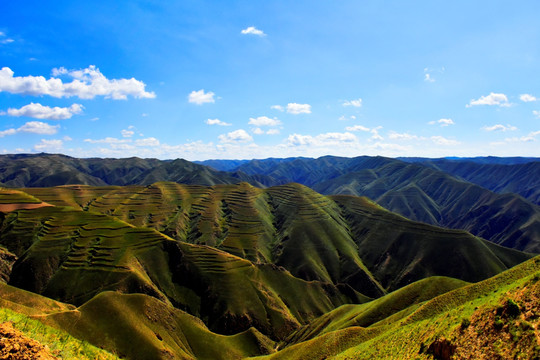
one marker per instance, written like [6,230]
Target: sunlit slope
[136,326]
[435,325]
[73,255]
[367,314]
[340,239]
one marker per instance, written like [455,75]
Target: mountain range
[288,258]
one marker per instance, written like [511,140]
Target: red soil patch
[15,346]
[22,206]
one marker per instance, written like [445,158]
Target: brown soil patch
[15,346]
[506,331]
[22,206]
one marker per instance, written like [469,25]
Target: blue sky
[255,79]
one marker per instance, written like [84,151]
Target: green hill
[232,271]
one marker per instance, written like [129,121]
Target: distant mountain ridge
[497,202]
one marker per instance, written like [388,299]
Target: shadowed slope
[519,178]
[427,195]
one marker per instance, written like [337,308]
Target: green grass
[59,342]
[401,336]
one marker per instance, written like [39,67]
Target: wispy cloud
[440,140]
[33,127]
[217,122]
[403,136]
[237,136]
[49,145]
[277,107]
[326,139]
[264,121]
[527,98]
[295,108]
[355,103]
[252,30]
[357,128]
[428,78]
[38,111]
[491,99]
[499,127]
[200,97]
[442,122]
[87,84]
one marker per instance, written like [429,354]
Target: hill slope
[344,239]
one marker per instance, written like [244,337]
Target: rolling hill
[227,271]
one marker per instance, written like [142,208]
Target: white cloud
[236,136]
[299,140]
[87,84]
[200,97]
[527,98]
[294,108]
[252,30]
[151,141]
[355,103]
[38,127]
[376,135]
[334,136]
[428,78]
[440,140]
[491,99]
[277,107]
[217,122]
[107,140]
[33,127]
[443,122]
[5,41]
[38,111]
[403,136]
[49,145]
[528,138]
[357,128]
[499,127]
[327,139]
[536,113]
[258,131]
[272,132]
[264,121]
[127,133]
[8,132]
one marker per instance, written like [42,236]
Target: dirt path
[22,206]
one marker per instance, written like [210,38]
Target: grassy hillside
[344,240]
[74,255]
[233,271]
[495,318]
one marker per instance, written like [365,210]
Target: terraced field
[227,271]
